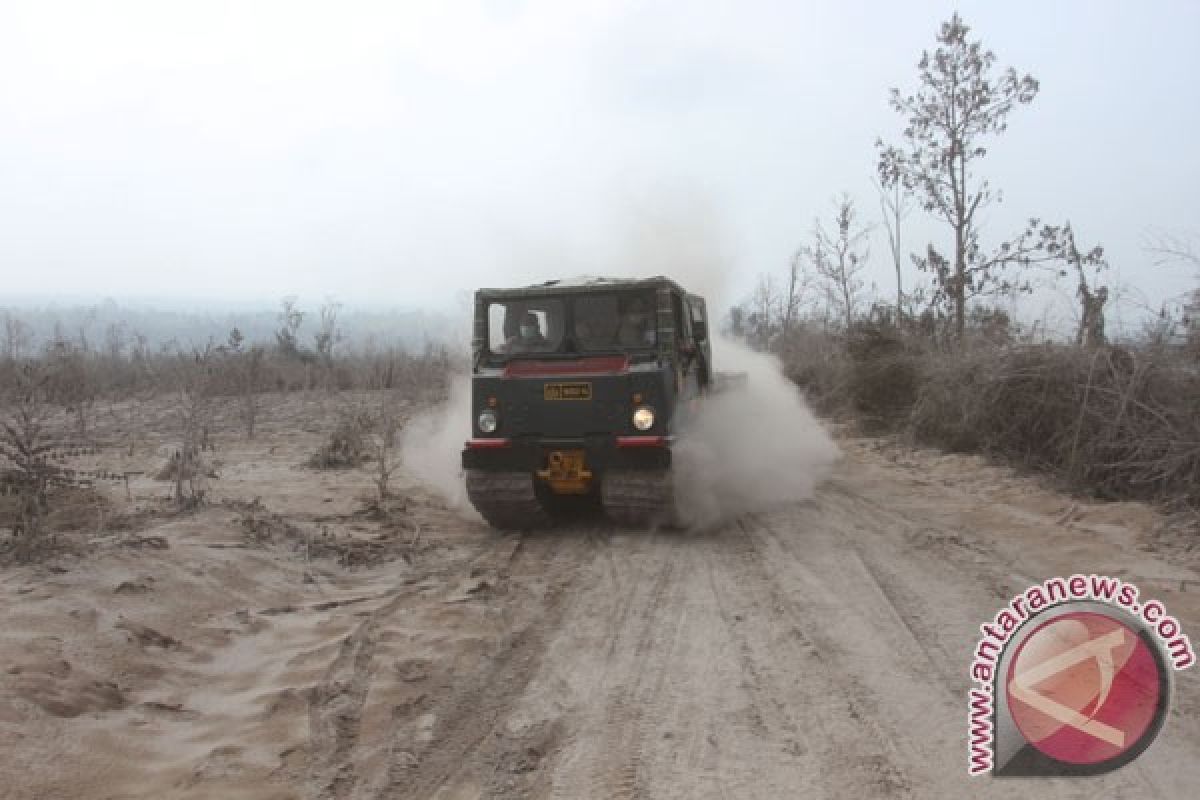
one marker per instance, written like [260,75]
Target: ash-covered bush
[347,445]
[1122,423]
[817,363]
[884,373]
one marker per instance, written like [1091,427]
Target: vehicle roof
[581,285]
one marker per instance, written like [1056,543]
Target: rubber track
[639,498]
[506,500]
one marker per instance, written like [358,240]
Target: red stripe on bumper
[487,444]
[643,441]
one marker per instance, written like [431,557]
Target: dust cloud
[432,441]
[749,448]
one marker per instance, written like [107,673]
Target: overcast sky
[399,153]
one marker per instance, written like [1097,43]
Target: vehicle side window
[697,315]
[496,325]
[683,328]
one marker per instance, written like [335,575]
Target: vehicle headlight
[643,418]
[488,421]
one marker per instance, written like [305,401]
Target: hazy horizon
[397,156]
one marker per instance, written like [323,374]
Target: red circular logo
[1084,688]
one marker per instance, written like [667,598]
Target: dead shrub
[347,446]
[35,533]
[950,401]
[818,364]
[1121,423]
[261,527]
[180,468]
[27,444]
[388,423]
[76,508]
[194,378]
[883,376]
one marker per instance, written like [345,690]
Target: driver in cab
[529,336]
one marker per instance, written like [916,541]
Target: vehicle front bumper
[601,452]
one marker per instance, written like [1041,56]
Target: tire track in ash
[870,544]
[913,565]
[878,586]
[764,751]
[849,567]
[612,599]
[680,707]
[468,741]
[336,703]
[605,681]
[808,700]
[927,530]
[585,662]
[708,684]
[940,581]
[618,769]
[866,654]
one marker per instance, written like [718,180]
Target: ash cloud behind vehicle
[756,445]
[752,447]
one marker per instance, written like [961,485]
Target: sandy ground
[303,648]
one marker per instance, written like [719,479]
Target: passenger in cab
[637,325]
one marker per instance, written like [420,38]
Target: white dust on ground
[751,448]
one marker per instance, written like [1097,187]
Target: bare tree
[326,338]
[192,375]
[895,204]
[1171,248]
[384,442]
[115,336]
[26,442]
[735,324]
[16,337]
[249,368]
[73,380]
[764,309]
[959,104]
[1092,298]
[1191,319]
[290,320]
[327,334]
[838,258]
[793,297]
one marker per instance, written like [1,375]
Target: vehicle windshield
[531,325]
[600,322]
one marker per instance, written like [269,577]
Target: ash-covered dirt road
[815,650]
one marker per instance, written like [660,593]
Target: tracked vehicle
[578,393]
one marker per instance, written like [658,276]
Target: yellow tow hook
[566,473]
